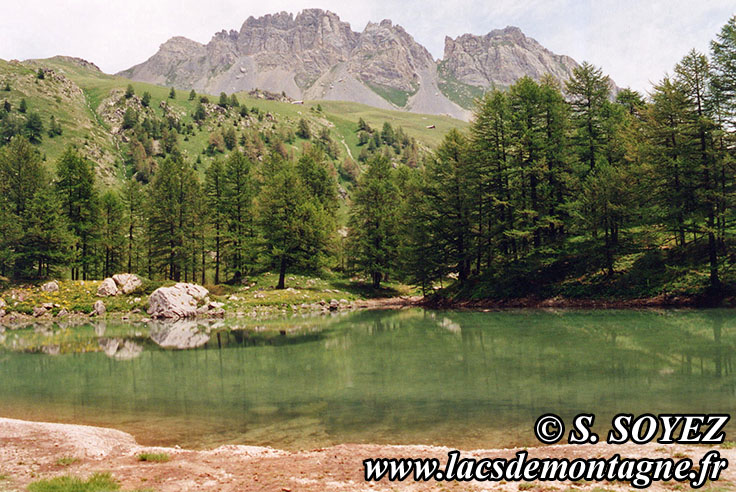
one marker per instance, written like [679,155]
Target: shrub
[99,482]
[154,457]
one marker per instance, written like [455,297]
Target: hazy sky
[635,42]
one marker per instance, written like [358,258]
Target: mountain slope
[315,55]
[59,96]
[89,105]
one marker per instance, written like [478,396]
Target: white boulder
[52,286]
[194,290]
[98,308]
[127,282]
[179,301]
[107,288]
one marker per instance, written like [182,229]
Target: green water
[466,379]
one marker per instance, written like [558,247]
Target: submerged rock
[179,301]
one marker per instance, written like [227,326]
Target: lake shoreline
[13,320]
[30,451]
[657,302]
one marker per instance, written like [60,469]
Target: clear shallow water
[465,379]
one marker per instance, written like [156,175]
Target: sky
[635,42]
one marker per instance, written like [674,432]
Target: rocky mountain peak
[314,54]
[386,55]
[180,44]
[501,57]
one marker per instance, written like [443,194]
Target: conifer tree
[294,223]
[588,90]
[171,208]
[215,195]
[133,200]
[239,190]
[75,187]
[112,233]
[373,226]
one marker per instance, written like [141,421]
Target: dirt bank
[30,451]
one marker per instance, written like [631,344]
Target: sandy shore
[32,450]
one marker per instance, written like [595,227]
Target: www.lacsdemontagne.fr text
[639,473]
[549,429]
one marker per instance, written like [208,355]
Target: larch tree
[239,190]
[214,190]
[373,225]
[75,186]
[294,223]
[588,91]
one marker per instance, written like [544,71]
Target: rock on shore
[178,301]
[124,283]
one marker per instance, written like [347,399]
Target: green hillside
[86,103]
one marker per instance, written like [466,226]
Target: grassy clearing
[69,106]
[256,297]
[74,297]
[154,457]
[99,482]
[414,124]
[397,97]
[462,94]
[260,292]
[66,461]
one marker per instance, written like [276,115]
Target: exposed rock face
[52,286]
[276,52]
[315,55]
[179,301]
[387,55]
[501,57]
[127,282]
[107,288]
[308,45]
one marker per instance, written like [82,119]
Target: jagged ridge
[316,55]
